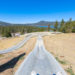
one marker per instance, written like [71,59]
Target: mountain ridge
[43,23]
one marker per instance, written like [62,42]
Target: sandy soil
[9,42]
[15,58]
[62,46]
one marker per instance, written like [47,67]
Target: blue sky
[29,11]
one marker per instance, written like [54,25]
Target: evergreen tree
[56,26]
[61,29]
[68,26]
[73,29]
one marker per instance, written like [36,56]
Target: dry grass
[27,48]
[9,42]
[62,46]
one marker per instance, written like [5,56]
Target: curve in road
[16,46]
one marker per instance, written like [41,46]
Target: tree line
[65,27]
[6,31]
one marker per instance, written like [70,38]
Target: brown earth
[9,42]
[62,46]
[11,61]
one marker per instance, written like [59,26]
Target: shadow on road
[11,63]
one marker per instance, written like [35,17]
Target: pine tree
[69,26]
[56,26]
[61,29]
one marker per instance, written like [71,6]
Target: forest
[5,31]
[65,27]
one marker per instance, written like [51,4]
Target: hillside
[32,24]
[4,23]
[44,23]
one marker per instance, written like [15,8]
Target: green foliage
[69,70]
[68,26]
[6,34]
[73,24]
[61,61]
[6,31]
[56,26]
[61,29]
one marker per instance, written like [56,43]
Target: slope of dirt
[62,46]
[9,42]
[10,62]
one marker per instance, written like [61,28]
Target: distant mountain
[43,23]
[4,23]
